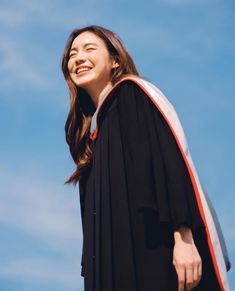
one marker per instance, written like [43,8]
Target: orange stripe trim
[93,135]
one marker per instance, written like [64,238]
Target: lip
[82,67]
[82,73]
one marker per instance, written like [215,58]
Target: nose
[80,57]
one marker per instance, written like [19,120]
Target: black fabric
[136,192]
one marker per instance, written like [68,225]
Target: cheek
[69,65]
[105,65]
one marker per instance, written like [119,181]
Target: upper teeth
[79,70]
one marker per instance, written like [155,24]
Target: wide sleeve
[156,170]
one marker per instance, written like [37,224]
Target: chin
[84,80]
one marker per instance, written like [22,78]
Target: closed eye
[72,53]
[91,48]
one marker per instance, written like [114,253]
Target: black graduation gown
[133,196]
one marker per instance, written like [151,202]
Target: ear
[115,64]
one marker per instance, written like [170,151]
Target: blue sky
[185,47]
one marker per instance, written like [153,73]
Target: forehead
[85,38]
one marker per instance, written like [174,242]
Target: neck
[98,94]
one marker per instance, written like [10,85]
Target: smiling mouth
[82,70]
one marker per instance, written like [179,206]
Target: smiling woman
[89,63]
[146,222]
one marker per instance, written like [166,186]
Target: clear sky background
[185,47]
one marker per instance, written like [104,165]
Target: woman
[144,222]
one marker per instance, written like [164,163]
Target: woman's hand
[186,259]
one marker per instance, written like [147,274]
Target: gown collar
[94,116]
[94,120]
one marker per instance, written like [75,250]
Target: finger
[200,270]
[196,277]
[189,277]
[181,278]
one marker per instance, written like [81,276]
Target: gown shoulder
[155,158]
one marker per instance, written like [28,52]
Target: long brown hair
[77,126]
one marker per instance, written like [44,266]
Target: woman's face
[90,63]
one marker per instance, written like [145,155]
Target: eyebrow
[85,45]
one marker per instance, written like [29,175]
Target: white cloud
[197,42]
[43,271]
[11,18]
[28,61]
[23,12]
[19,12]
[45,212]
[185,2]
[16,68]
[227,225]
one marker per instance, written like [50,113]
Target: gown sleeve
[159,176]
